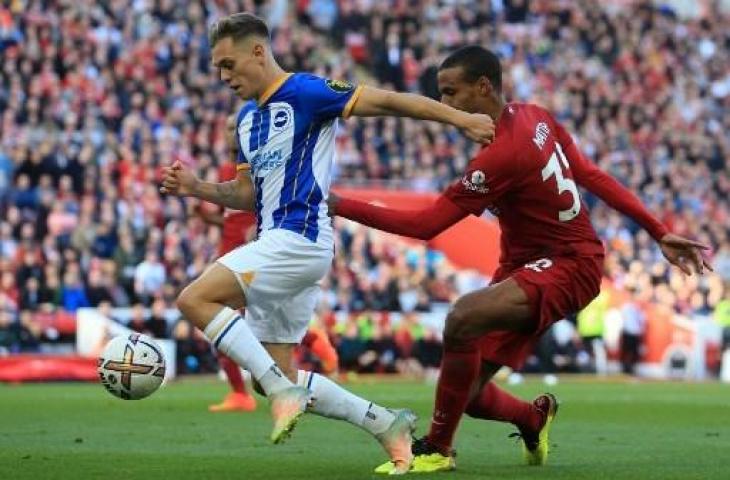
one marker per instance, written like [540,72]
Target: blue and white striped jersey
[287,142]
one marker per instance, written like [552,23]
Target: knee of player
[187,300]
[455,330]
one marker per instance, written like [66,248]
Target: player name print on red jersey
[542,131]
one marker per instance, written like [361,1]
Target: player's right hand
[683,253]
[177,181]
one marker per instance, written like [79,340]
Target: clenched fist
[178,181]
[477,127]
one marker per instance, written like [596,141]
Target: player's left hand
[478,128]
[684,253]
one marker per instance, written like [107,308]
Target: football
[131,366]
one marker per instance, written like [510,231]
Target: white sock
[332,401]
[231,335]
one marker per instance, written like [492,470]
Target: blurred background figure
[632,332]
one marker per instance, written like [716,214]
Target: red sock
[459,370]
[493,403]
[233,372]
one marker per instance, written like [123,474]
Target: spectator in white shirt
[149,277]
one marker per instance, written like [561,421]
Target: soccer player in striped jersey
[286,133]
[239,228]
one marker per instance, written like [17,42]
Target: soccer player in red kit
[551,258]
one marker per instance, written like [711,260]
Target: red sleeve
[618,197]
[488,176]
[422,224]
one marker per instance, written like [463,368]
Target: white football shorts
[280,275]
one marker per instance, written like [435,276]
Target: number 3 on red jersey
[554,167]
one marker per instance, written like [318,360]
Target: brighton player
[238,228]
[551,259]
[286,134]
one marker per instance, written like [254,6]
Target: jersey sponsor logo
[339,86]
[267,161]
[475,182]
[541,134]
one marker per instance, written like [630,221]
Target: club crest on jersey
[280,119]
[339,86]
[475,182]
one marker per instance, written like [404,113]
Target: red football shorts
[555,287]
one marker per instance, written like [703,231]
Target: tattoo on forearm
[226,191]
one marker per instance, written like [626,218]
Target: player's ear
[259,51]
[484,86]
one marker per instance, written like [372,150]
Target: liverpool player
[550,263]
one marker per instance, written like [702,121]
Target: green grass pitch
[611,430]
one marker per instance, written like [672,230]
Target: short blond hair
[238,26]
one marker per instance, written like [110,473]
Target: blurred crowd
[97,96]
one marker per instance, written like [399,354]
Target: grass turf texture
[612,430]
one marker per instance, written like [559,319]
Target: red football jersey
[236,223]
[227,171]
[525,179]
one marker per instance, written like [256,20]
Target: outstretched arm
[374,102]
[607,188]
[678,251]
[422,224]
[237,194]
